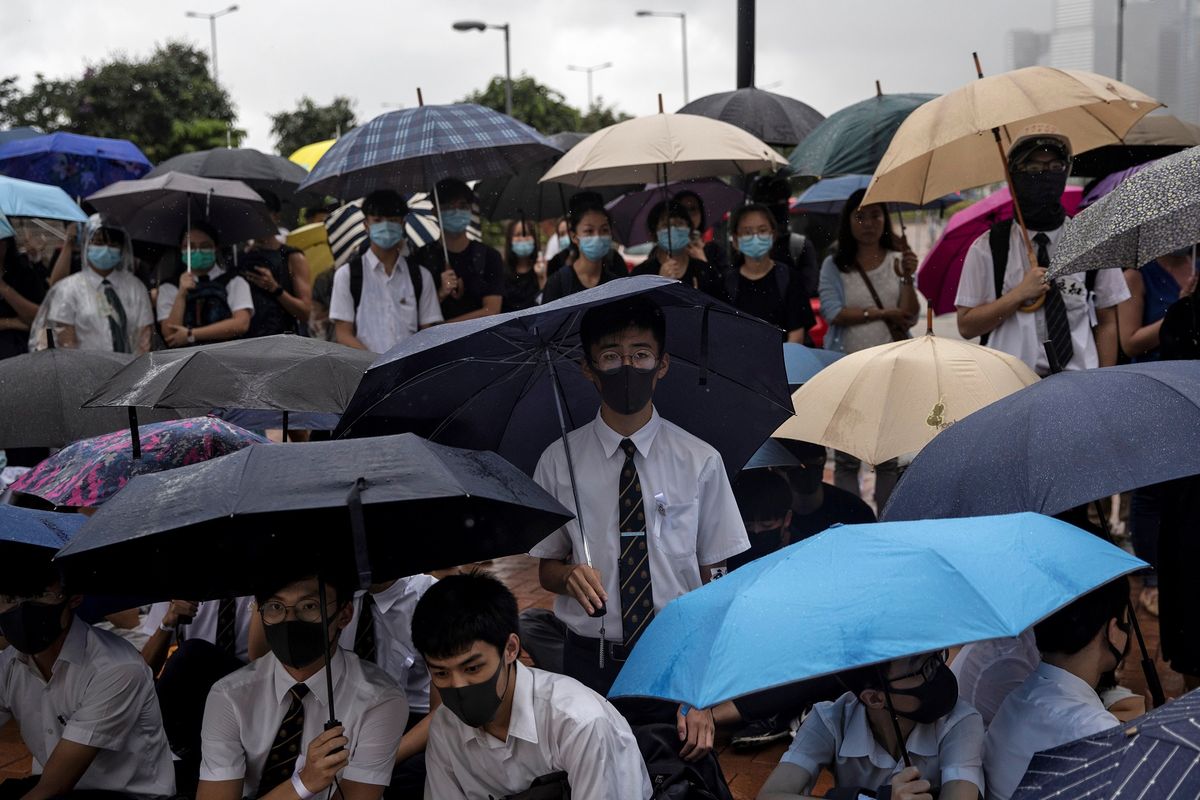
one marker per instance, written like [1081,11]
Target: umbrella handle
[887,696]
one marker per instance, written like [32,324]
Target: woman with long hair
[524,267]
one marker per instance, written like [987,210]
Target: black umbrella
[778,120]
[260,171]
[28,539]
[1152,137]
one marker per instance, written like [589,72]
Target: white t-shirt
[988,671]
[204,624]
[389,310]
[81,302]
[237,293]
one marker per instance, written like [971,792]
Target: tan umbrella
[890,400]
[1163,129]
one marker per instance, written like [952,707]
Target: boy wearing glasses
[656,505]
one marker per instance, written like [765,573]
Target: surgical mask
[456,220]
[103,257]
[522,249]
[564,242]
[937,697]
[1040,198]
[755,245]
[626,390]
[32,627]
[476,704]
[595,248]
[674,239]
[386,234]
[297,643]
[200,260]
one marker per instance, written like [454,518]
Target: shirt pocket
[678,524]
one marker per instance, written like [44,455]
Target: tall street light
[476,25]
[212,24]
[589,71]
[683,27]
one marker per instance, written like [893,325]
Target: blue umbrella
[803,362]
[828,196]
[834,602]
[1156,756]
[16,134]
[26,532]
[79,165]
[5,229]
[27,199]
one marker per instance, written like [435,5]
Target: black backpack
[783,279]
[673,778]
[207,302]
[1179,336]
[356,282]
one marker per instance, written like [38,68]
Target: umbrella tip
[660,105]
[978,66]
[878,89]
[929,320]
[420,97]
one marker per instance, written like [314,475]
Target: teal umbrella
[852,141]
[20,198]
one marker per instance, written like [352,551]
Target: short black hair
[735,219]
[203,227]
[762,495]
[1069,629]
[343,585]
[674,211]
[771,189]
[115,236]
[846,254]
[621,315]
[384,203]
[584,199]
[678,198]
[451,189]
[579,212]
[460,610]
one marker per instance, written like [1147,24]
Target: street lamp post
[212,25]
[589,71]
[683,28]
[475,25]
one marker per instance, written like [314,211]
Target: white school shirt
[100,694]
[691,516]
[237,294]
[557,724]
[838,735]
[204,625]
[387,311]
[245,708]
[1050,708]
[988,671]
[393,637]
[1022,334]
[81,303]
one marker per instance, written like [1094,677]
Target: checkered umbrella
[414,148]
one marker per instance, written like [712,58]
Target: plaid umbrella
[414,148]
[1148,214]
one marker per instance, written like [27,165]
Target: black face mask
[626,390]
[296,643]
[937,697]
[1040,198]
[476,704]
[32,627]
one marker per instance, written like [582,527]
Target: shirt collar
[858,740]
[1070,684]
[73,650]
[95,278]
[392,595]
[642,439]
[522,720]
[315,683]
[372,262]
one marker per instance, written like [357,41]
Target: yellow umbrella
[310,154]
[890,400]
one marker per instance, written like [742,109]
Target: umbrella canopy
[947,144]
[158,210]
[1110,182]
[829,196]
[1157,755]
[27,199]
[41,395]
[79,165]
[772,454]
[661,148]
[16,134]
[631,212]
[310,154]
[348,235]
[940,272]
[1148,214]
[260,171]
[28,538]
[1154,136]
[852,140]
[233,519]
[802,363]
[1077,436]
[486,383]
[752,630]
[414,148]
[283,372]
[778,120]
[89,472]
[892,399]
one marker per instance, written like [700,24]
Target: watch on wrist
[278,292]
[906,281]
[191,339]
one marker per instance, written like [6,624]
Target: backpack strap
[998,236]
[414,275]
[356,282]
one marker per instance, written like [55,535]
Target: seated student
[1058,703]
[472,284]
[208,304]
[816,505]
[503,725]
[855,737]
[83,698]
[252,713]
[764,500]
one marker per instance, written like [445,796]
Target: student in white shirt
[1058,703]
[855,737]
[207,305]
[263,733]
[389,307]
[502,725]
[679,521]
[83,698]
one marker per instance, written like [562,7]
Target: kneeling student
[502,725]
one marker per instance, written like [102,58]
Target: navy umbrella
[778,120]
[28,538]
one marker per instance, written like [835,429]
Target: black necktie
[281,760]
[637,599]
[364,633]
[226,640]
[117,321]
[1058,327]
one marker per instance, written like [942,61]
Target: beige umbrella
[1163,129]
[890,400]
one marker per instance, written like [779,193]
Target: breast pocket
[678,524]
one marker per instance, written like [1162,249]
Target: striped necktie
[1058,327]
[118,323]
[364,633]
[637,599]
[226,639]
[281,760]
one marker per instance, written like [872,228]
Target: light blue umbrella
[857,595]
[829,195]
[5,229]
[20,198]
[803,362]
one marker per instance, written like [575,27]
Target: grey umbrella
[1150,213]
[260,171]
[778,120]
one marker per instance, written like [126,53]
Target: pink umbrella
[938,275]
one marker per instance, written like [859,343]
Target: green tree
[601,116]
[311,123]
[533,103]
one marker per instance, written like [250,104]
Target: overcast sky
[272,52]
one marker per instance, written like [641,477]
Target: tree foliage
[544,108]
[311,123]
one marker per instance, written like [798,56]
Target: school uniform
[233,629]
[389,311]
[108,312]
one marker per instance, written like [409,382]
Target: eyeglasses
[613,360]
[1055,167]
[928,669]
[8,601]
[274,612]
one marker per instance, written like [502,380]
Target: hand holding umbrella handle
[330,724]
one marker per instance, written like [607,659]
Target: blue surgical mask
[595,248]
[456,220]
[756,245]
[674,239]
[386,234]
[103,257]
[564,242]
[522,249]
